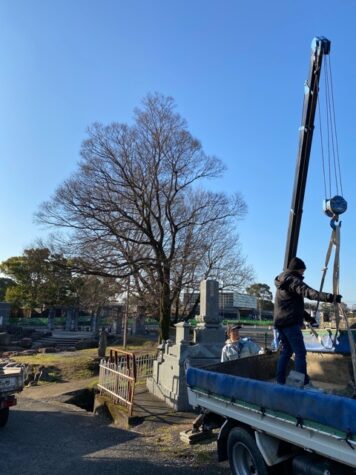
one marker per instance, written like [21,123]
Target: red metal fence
[122,372]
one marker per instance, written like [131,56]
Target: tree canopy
[137,207]
[42,279]
[5,283]
[39,277]
[263,294]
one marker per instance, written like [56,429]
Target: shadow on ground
[43,438]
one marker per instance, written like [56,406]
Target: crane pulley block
[335,206]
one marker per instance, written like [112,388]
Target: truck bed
[11,377]
[242,389]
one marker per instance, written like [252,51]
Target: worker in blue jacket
[289,315]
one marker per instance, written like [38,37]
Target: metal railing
[122,372]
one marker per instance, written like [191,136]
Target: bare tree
[214,253]
[135,207]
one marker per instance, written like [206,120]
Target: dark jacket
[289,299]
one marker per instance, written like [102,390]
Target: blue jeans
[292,342]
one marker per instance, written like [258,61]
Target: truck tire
[4,415]
[244,455]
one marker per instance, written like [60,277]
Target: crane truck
[265,427]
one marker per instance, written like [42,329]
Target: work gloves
[311,320]
[334,298]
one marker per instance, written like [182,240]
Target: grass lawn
[73,365]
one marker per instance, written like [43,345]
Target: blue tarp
[342,344]
[326,409]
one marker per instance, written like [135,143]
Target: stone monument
[117,320]
[51,315]
[72,316]
[138,325]
[5,310]
[168,381]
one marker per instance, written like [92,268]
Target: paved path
[45,436]
[48,391]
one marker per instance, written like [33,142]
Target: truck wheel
[4,415]
[244,455]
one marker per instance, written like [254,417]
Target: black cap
[234,327]
[296,264]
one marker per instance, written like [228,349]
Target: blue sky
[236,70]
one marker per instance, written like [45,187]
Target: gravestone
[138,325]
[168,381]
[117,320]
[51,315]
[5,309]
[72,316]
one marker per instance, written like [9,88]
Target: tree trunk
[193,310]
[165,304]
[176,310]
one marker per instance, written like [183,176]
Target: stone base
[170,398]
[205,334]
[104,407]
[193,437]
[168,381]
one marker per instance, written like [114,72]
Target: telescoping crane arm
[320,47]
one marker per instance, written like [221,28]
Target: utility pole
[126,318]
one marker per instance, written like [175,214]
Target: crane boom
[320,47]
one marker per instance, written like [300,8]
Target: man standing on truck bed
[289,315]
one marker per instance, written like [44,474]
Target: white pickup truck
[268,428]
[12,376]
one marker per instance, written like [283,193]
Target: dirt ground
[155,442]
